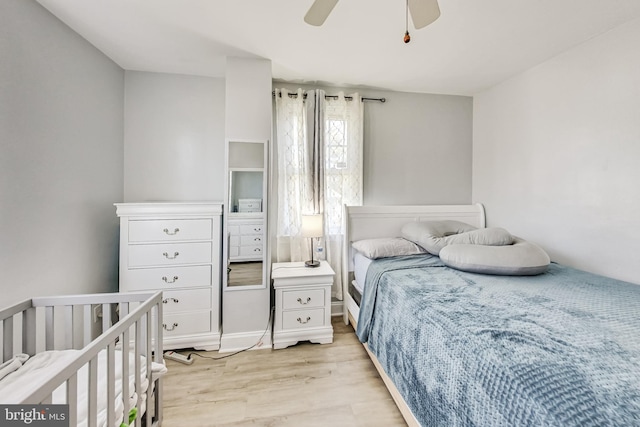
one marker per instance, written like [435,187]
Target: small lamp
[311,227]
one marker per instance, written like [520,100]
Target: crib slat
[158,392]
[49,328]
[93,392]
[124,309]
[7,338]
[137,377]
[125,372]
[106,316]
[29,331]
[68,320]
[72,399]
[149,360]
[111,385]
[86,325]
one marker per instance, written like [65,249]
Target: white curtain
[319,149]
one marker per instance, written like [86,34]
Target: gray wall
[417,147]
[556,152]
[61,157]
[174,137]
[246,310]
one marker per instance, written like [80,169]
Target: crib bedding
[465,349]
[36,370]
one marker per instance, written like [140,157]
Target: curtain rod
[349,98]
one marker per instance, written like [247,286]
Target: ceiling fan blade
[319,11]
[423,12]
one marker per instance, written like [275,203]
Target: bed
[100,354]
[465,349]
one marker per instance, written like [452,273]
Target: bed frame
[67,322]
[369,222]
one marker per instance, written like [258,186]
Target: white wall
[61,126]
[174,137]
[555,154]
[417,147]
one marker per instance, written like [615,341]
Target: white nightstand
[303,303]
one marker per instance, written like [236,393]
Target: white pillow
[522,258]
[435,235]
[387,247]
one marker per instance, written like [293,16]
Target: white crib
[76,360]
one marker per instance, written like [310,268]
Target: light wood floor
[303,385]
[244,273]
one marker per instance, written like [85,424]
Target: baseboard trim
[337,307]
[230,342]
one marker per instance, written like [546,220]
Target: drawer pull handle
[175,255]
[306,302]
[166,300]
[257,239]
[164,279]
[257,229]
[169,233]
[166,328]
[257,250]
[304,321]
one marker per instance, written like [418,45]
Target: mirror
[245,215]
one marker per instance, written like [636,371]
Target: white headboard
[369,222]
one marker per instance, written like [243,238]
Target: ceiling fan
[423,12]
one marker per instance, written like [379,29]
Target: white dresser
[246,237]
[303,303]
[175,247]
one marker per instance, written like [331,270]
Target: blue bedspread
[464,349]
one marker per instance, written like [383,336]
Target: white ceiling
[474,45]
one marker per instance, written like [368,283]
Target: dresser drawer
[251,251]
[249,205]
[302,299]
[300,319]
[177,324]
[186,300]
[169,254]
[250,229]
[169,230]
[234,251]
[141,279]
[251,240]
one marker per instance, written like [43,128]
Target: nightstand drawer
[300,319]
[187,300]
[169,278]
[302,299]
[186,323]
[169,254]
[169,230]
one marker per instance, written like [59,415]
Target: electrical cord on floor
[239,351]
